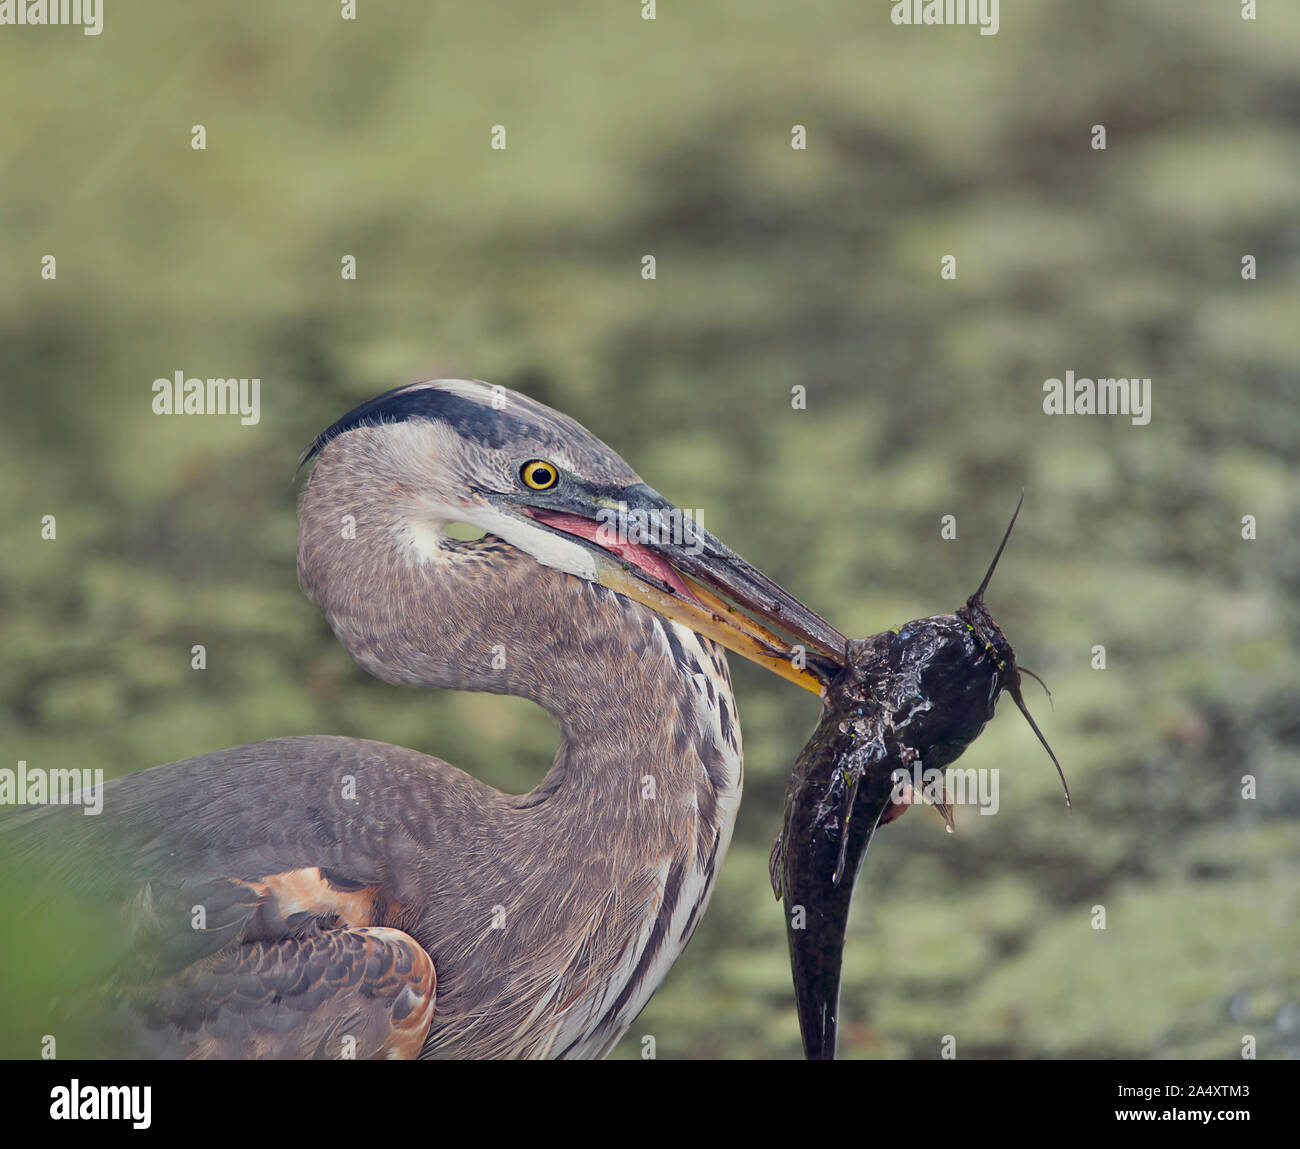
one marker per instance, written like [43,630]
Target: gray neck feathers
[484,616]
[608,863]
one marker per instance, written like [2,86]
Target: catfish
[907,702]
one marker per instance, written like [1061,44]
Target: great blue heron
[327,897]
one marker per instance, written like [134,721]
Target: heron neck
[649,722]
[609,863]
[641,701]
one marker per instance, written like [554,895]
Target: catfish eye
[539,475]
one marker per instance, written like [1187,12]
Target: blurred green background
[775,268]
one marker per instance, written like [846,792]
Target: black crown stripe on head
[466,416]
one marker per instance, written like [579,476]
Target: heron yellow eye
[539,474]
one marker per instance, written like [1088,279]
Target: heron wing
[222,907]
[364,993]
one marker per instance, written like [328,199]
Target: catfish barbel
[907,700]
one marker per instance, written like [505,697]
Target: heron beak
[656,556]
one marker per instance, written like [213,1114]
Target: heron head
[460,451]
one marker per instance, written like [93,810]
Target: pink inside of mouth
[604,537]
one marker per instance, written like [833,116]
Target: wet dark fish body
[918,695]
[908,700]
